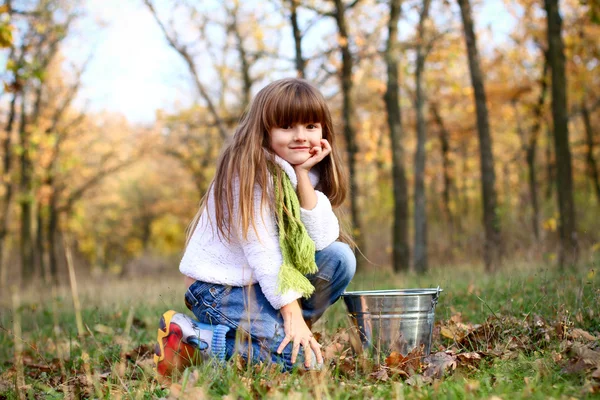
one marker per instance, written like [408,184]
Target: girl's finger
[316,348]
[284,342]
[295,350]
[307,357]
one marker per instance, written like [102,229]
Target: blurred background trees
[462,148]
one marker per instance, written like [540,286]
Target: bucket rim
[394,292]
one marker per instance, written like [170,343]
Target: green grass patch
[535,330]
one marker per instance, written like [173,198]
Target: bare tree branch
[183,51]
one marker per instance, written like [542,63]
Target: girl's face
[293,143]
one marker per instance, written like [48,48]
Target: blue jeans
[257,325]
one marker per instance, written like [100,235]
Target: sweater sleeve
[262,251]
[321,223]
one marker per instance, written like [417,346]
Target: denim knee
[336,263]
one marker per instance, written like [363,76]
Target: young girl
[263,260]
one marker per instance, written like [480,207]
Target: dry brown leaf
[473,358]
[582,359]
[438,364]
[590,356]
[147,365]
[381,374]
[556,357]
[190,392]
[574,366]
[142,351]
[107,330]
[240,363]
[346,366]
[419,380]
[409,363]
[451,332]
[471,386]
[456,318]
[581,334]
[332,350]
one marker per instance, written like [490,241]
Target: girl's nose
[299,133]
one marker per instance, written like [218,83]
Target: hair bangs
[297,103]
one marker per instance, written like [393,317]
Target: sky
[134,72]
[132,69]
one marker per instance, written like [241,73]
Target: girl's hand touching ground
[298,333]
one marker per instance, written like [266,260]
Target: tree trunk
[493,246]
[531,149]
[41,254]
[445,148]
[347,116]
[300,63]
[401,250]
[507,196]
[8,193]
[589,140]
[568,252]
[53,238]
[463,192]
[26,243]
[420,250]
[531,178]
[550,164]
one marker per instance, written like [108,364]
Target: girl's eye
[286,127]
[312,126]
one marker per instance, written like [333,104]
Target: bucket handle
[435,298]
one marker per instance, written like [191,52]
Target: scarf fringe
[297,248]
[292,279]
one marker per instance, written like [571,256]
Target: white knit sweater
[258,259]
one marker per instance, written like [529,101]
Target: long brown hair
[281,103]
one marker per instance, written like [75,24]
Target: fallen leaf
[142,351]
[381,374]
[473,358]
[581,334]
[107,330]
[419,380]
[190,391]
[240,363]
[438,364]
[409,363]
[247,382]
[581,359]
[332,350]
[346,366]
[456,318]
[450,333]
[471,386]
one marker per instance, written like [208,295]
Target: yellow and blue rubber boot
[183,341]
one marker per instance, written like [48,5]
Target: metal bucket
[393,320]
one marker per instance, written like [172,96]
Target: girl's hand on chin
[318,153]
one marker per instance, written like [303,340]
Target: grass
[531,309]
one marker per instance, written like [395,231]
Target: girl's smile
[293,143]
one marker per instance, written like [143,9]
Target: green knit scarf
[297,248]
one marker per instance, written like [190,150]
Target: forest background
[463,147]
